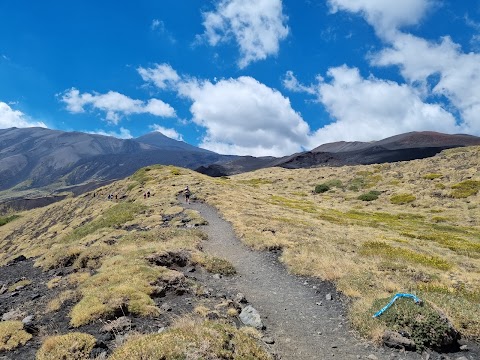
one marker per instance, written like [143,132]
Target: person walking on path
[186,192]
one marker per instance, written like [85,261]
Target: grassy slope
[371,250]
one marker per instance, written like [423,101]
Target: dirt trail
[297,315]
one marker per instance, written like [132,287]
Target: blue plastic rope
[397,296]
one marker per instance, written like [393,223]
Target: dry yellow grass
[72,346]
[370,249]
[12,335]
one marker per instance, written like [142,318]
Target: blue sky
[256,77]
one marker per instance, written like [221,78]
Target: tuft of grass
[465,189]
[402,199]
[24,282]
[71,346]
[57,302]
[215,265]
[208,340]
[306,206]
[6,219]
[384,250]
[334,183]
[432,176]
[12,335]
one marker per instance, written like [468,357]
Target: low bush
[72,346]
[370,196]
[321,188]
[423,324]
[401,199]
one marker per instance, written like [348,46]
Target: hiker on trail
[186,192]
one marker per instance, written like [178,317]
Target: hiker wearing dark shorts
[186,192]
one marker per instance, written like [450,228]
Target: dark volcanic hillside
[35,158]
[403,147]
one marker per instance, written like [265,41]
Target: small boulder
[394,340]
[250,317]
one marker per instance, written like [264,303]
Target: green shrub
[370,196]
[6,219]
[401,199]
[321,188]
[424,325]
[465,189]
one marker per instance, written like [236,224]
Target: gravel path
[295,310]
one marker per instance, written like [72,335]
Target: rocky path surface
[305,317]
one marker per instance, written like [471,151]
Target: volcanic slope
[133,257]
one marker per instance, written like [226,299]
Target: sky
[244,77]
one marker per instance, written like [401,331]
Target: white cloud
[385,16]
[114,104]
[457,73]
[243,116]
[372,109]
[256,25]
[171,133]
[162,76]
[15,118]
[157,24]
[290,82]
[122,134]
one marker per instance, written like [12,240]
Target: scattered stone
[18,259]
[328,297]
[28,320]
[217,276]
[250,317]
[334,346]
[464,348]
[240,298]
[3,289]
[394,340]
[161,330]
[213,315]
[13,315]
[166,307]
[372,357]
[98,354]
[319,303]
[35,296]
[118,325]
[190,269]
[268,340]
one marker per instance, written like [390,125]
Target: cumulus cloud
[243,116]
[257,26]
[371,109]
[171,133]
[385,16]
[114,104]
[15,118]
[121,134]
[162,76]
[456,74]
